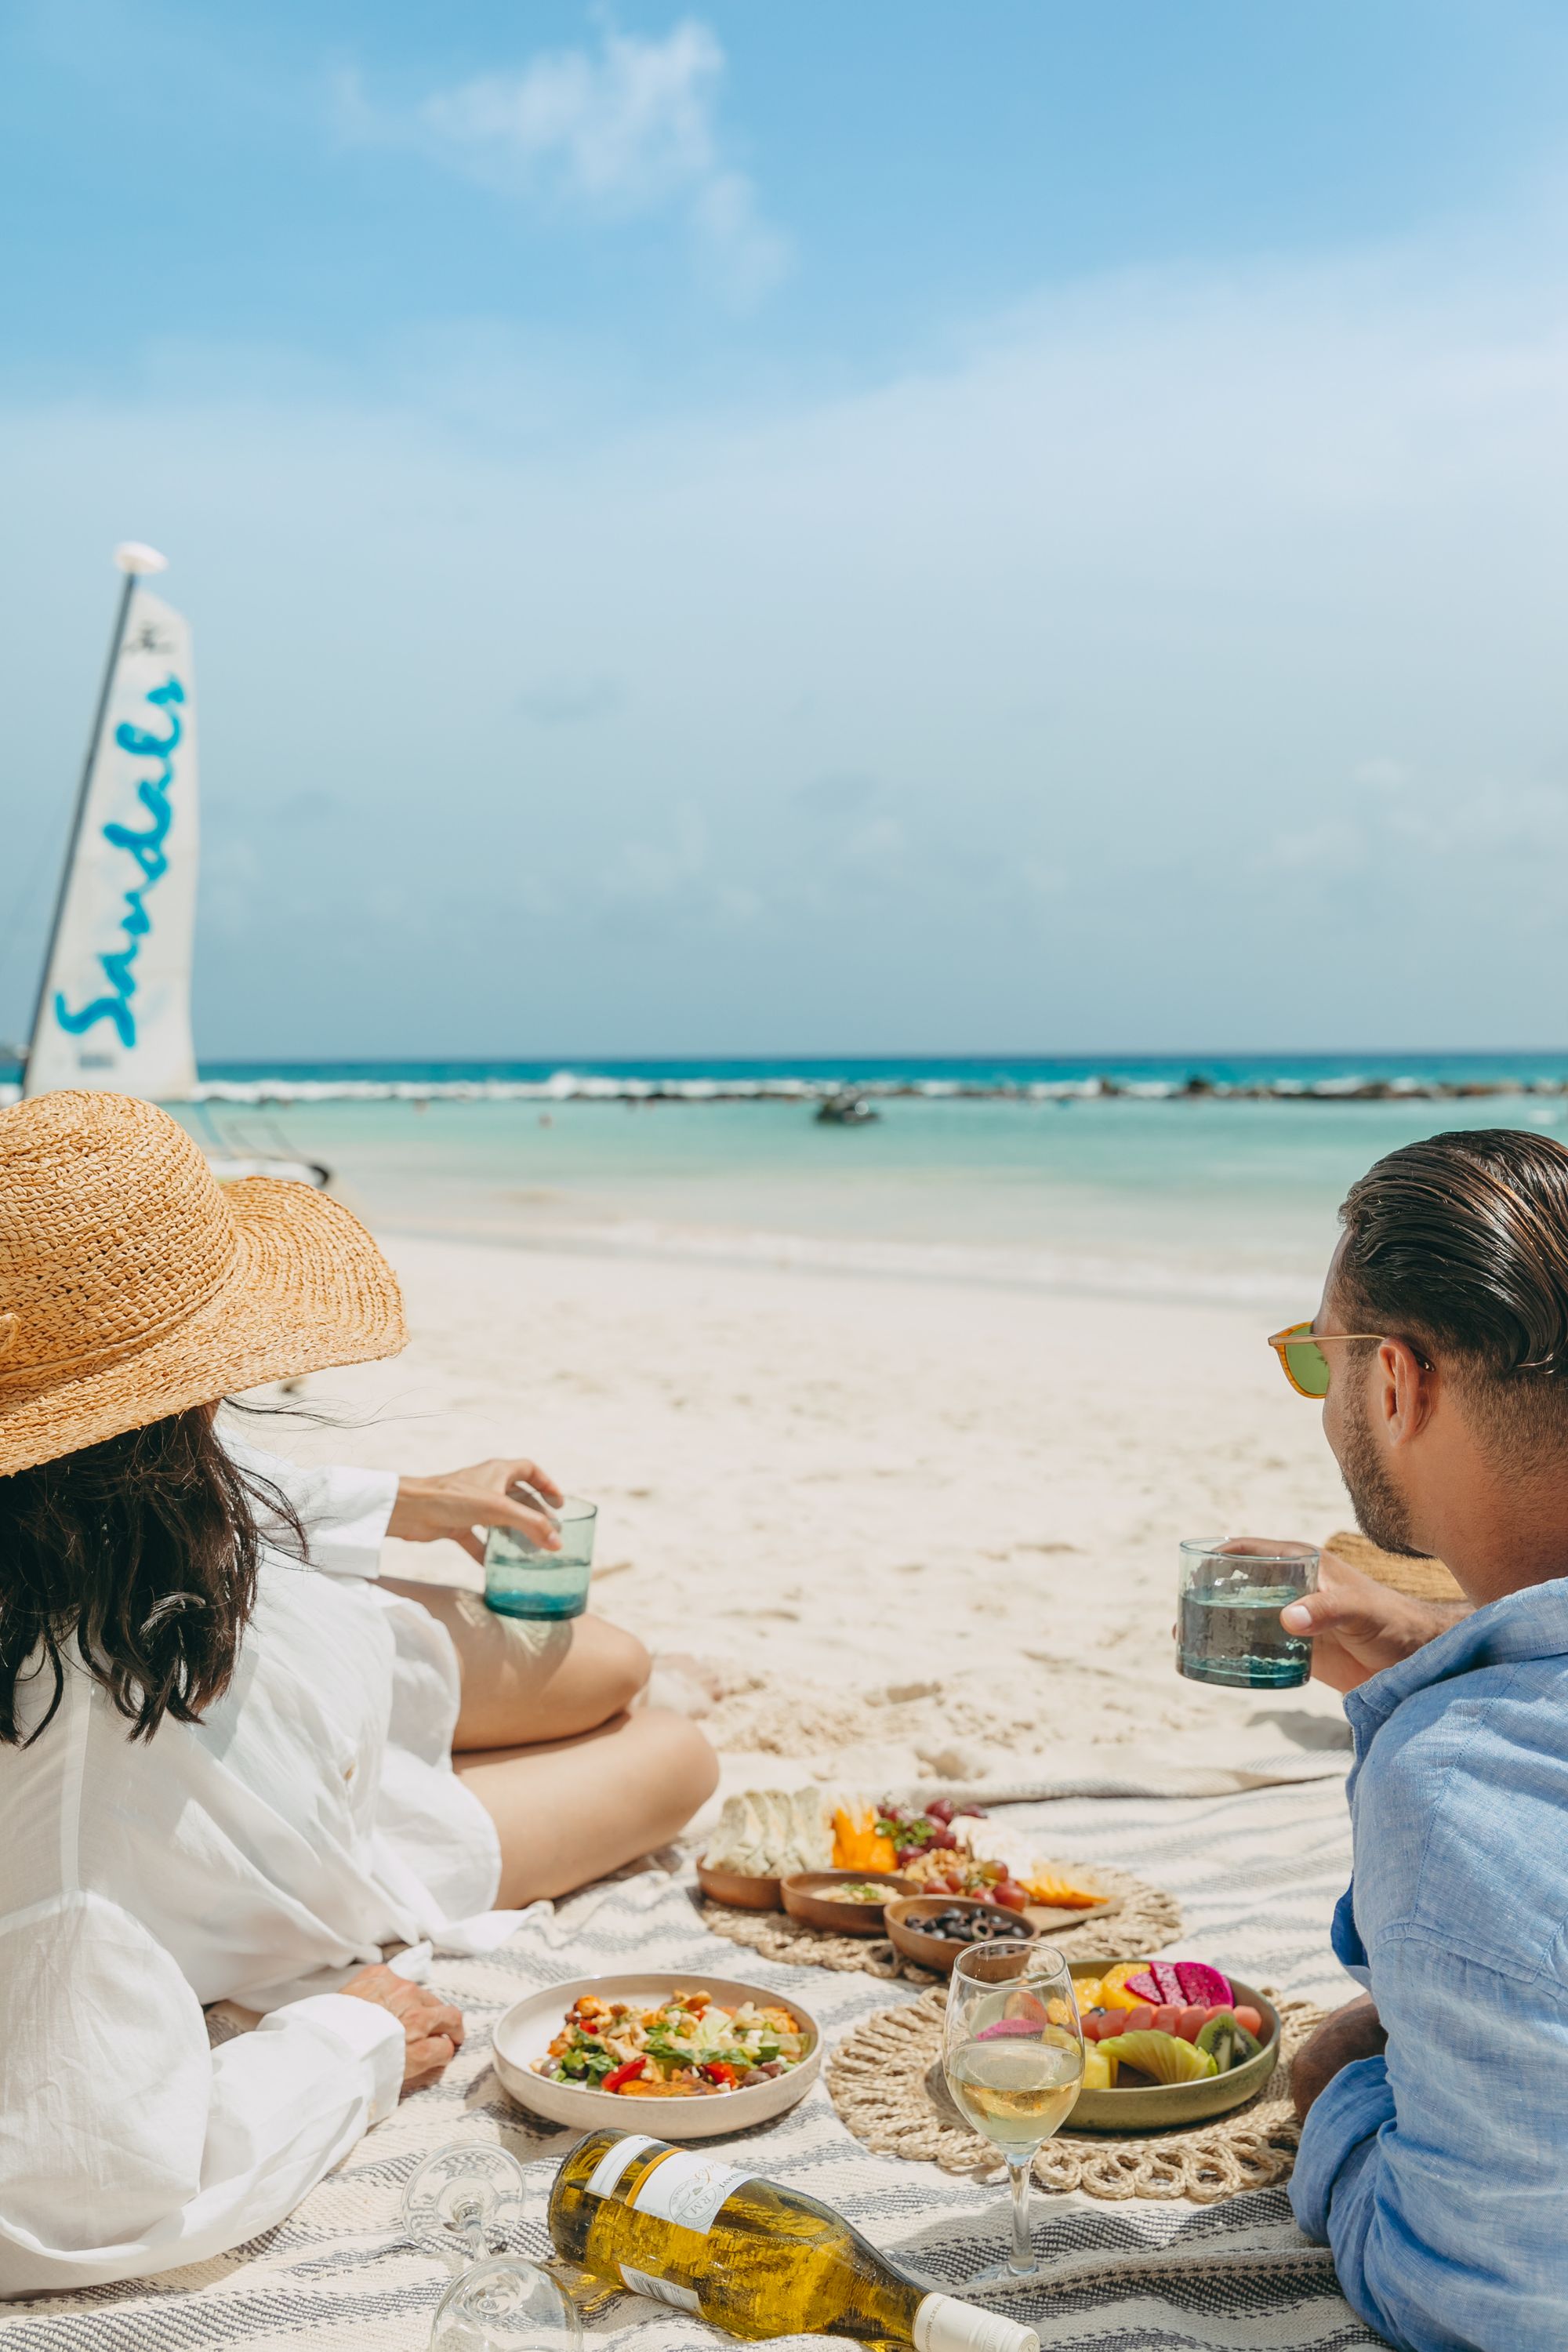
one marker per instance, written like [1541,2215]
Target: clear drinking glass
[523,1581]
[1013,2059]
[1228,1600]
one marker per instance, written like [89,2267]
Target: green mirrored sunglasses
[1302,1357]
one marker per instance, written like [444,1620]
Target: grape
[1010,1894]
[946,1840]
[941,1810]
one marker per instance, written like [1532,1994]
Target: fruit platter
[1167,2043]
[766,1837]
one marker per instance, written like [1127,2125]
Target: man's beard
[1379,1507]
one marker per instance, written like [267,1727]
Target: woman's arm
[127,2147]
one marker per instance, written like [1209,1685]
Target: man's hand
[1351,2032]
[1359,1626]
[490,1494]
[432,2028]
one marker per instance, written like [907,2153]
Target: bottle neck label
[687,2188]
[621,2153]
[942,2323]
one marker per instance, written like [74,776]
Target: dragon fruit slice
[1143,1986]
[1169,1982]
[1028,2027]
[1200,1982]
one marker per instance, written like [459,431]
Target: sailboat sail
[115,1010]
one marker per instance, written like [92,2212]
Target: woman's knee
[621,1666]
[681,1763]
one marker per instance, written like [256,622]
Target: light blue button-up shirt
[1438,2173]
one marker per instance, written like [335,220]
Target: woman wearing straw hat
[225,1773]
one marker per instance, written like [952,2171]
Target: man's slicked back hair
[1460,1244]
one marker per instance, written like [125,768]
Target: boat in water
[114,1001]
[845,1109]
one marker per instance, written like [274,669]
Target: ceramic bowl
[938,1952]
[529,2027]
[806,1898]
[1163,2104]
[737,1888]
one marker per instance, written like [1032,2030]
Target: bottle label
[687,2188]
[679,2298]
[602,2181]
[942,2323]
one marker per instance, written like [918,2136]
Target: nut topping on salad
[688,2048]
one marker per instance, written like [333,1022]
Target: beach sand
[913,1528]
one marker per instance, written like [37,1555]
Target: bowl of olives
[932,1929]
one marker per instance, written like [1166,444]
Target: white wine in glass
[1013,2059]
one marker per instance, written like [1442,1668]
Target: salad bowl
[529,2027]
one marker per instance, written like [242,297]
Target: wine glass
[1013,2059]
[466,2203]
[505,2304]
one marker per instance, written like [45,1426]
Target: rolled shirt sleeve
[127,2145]
[343,1512]
[1435,2171]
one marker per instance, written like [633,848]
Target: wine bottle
[691,2232]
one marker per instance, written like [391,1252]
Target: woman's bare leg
[571,1810]
[527,1681]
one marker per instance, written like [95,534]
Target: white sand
[914,1526]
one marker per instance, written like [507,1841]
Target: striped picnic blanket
[1257,1874]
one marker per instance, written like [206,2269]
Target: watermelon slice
[1199,1982]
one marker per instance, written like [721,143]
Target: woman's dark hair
[1460,1244]
[141,1554]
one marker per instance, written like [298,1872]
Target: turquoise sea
[1013,1170]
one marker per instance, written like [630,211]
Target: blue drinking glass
[523,1581]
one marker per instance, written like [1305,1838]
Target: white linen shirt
[262,1855]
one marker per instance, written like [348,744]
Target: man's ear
[1405,1390]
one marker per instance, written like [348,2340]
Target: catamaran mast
[136,561]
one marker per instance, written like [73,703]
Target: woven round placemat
[1143,1920]
[885,2081]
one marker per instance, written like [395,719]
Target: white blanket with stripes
[1257,1874]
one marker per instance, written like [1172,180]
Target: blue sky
[807,528]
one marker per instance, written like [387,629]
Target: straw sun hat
[133,1284]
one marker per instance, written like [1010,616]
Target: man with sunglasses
[1434,2140]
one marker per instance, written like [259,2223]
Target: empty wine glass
[465,2202]
[505,2304]
[1013,2059]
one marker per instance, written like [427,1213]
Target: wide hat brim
[308,1289]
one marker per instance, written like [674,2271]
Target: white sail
[116,1005]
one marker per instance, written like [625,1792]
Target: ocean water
[1020,1172]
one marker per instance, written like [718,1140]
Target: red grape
[1010,1894]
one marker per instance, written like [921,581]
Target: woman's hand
[490,1494]
[432,2028]
[1359,1626]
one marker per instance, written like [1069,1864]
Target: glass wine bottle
[756,2259]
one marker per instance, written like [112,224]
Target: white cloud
[615,133]
[1152,587]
